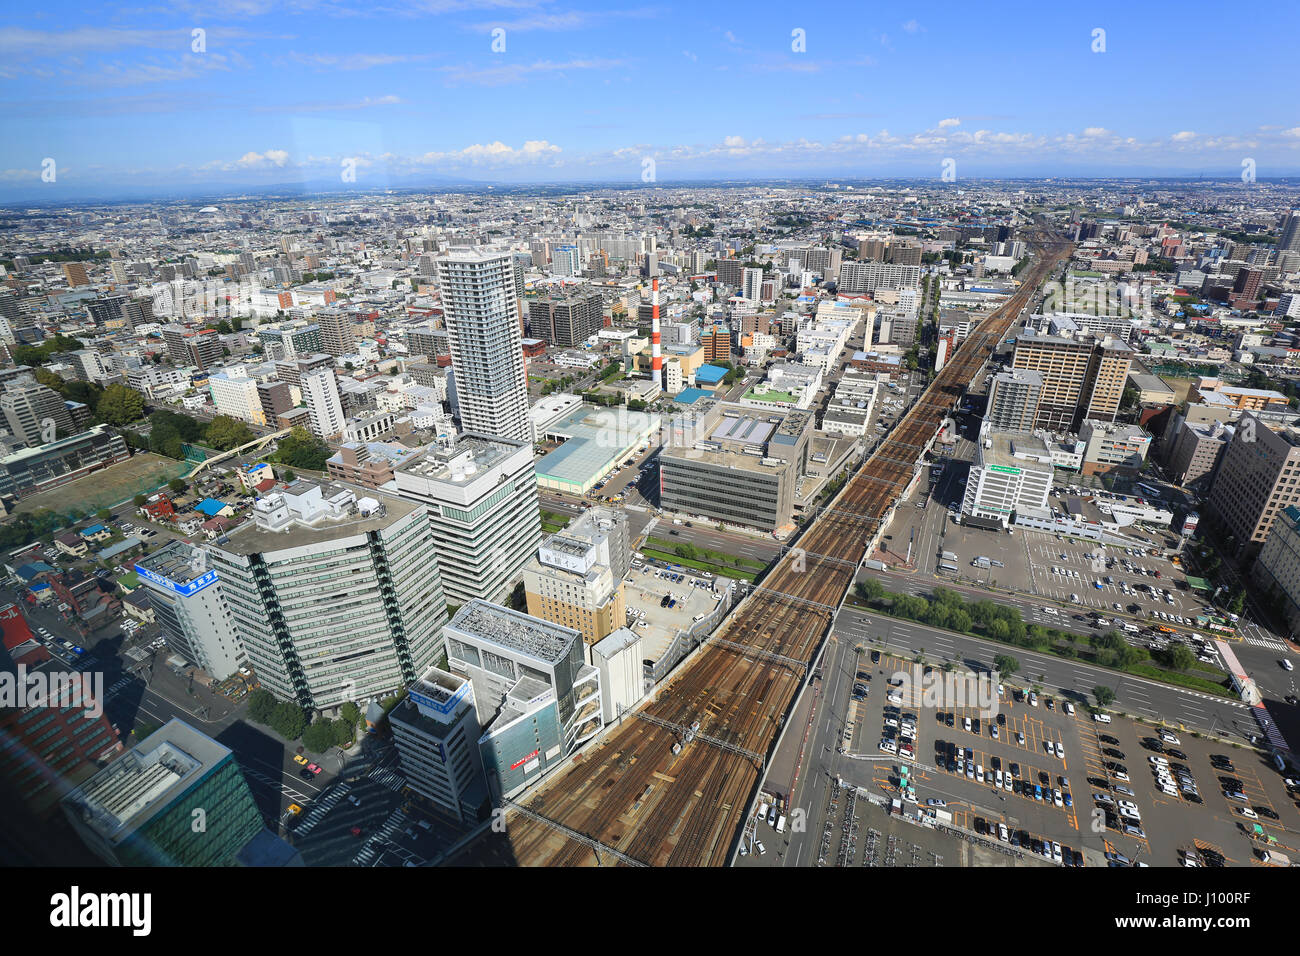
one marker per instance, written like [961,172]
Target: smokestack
[656,359]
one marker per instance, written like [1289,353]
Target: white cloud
[272,157]
[911,26]
[1183,136]
[496,153]
[952,121]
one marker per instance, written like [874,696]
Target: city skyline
[137,101]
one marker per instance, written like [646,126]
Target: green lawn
[719,570]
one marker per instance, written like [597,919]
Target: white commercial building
[236,396]
[622,673]
[482,316]
[1012,473]
[320,390]
[480,493]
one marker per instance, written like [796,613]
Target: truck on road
[981,561]
[875,565]
[1274,858]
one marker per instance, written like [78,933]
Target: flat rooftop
[250,538]
[1005,444]
[515,631]
[178,561]
[130,791]
[457,461]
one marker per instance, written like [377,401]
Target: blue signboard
[204,580]
[445,707]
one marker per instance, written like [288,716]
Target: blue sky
[123,96]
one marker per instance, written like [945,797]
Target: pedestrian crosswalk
[322,806]
[389,778]
[378,842]
[1265,642]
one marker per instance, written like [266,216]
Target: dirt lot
[107,487]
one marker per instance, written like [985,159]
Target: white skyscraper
[752,284]
[482,315]
[320,390]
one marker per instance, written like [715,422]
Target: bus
[948,566]
[1166,629]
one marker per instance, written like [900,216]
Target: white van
[1101,718]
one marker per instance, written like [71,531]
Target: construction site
[672,783]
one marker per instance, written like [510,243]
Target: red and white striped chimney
[656,358]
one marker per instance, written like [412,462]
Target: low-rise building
[1113,448]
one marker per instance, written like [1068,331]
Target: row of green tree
[289,721]
[949,610]
[169,431]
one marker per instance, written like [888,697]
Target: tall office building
[436,731]
[27,407]
[481,496]
[565,261]
[141,809]
[336,333]
[201,347]
[75,273]
[1013,400]
[576,577]
[1289,241]
[1258,477]
[534,694]
[482,315]
[335,592]
[320,390]
[752,284]
[275,400]
[566,318]
[191,608]
[1083,376]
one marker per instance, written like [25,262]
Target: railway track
[630,792]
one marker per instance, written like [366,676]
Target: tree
[319,737]
[1005,665]
[351,713]
[139,500]
[288,720]
[103,514]
[870,590]
[1180,657]
[224,433]
[344,732]
[120,405]
[289,477]
[177,485]
[1105,696]
[302,449]
[261,704]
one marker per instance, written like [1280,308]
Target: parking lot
[1030,772]
[645,589]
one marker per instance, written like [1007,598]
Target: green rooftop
[772,395]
